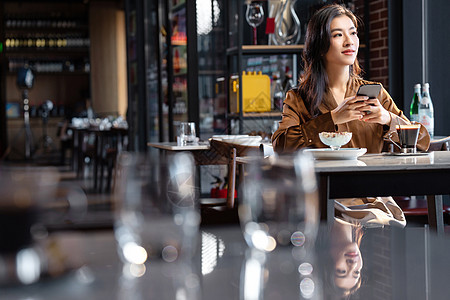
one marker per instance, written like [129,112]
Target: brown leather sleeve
[297,129]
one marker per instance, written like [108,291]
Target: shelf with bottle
[60,66]
[39,41]
[43,22]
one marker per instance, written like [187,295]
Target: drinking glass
[279,215]
[25,195]
[187,133]
[408,135]
[254,16]
[280,203]
[157,216]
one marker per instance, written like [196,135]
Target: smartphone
[369,90]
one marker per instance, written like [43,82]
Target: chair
[224,153]
[109,144]
[266,149]
[442,144]
[416,207]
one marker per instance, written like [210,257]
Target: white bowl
[335,139]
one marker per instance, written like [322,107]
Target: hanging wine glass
[254,16]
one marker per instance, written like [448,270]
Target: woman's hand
[374,112]
[350,109]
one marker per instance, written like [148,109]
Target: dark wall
[438,58]
[439,62]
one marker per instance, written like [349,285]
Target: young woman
[326,97]
[326,101]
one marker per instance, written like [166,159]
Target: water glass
[157,217]
[280,204]
[279,215]
[156,212]
[187,133]
[25,195]
[25,192]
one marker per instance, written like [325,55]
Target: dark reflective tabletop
[363,263]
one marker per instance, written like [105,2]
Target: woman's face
[344,42]
[348,265]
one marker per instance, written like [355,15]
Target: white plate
[244,140]
[343,153]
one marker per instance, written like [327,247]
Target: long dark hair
[325,264]
[314,82]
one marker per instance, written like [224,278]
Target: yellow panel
[255,93]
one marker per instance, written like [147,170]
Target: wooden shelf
[270,49]
[47,30]
[211,73]
[266,49]
[47,51]
[62,73]
[257,115]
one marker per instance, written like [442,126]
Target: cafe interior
[141,153]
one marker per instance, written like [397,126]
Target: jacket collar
[329,103]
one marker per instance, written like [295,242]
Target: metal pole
[424,41]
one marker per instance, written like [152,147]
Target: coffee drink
[408,135]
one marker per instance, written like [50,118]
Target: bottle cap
[417,86]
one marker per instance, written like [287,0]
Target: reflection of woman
[325,101]
[341,261]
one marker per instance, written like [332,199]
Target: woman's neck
[337,79]
[342,232]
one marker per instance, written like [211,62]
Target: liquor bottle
[288,83]
[414,108]
[277,92]
[426,110]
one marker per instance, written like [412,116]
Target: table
[387,175]
[406,264]
[173,146]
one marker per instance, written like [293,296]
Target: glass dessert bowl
[335,139]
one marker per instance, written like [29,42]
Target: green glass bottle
[414,108]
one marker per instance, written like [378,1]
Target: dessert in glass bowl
[335,139]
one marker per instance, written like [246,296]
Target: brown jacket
[298,129]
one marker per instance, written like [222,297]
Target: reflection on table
[396,264]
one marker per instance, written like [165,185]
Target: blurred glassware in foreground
[157,216]
[24,194]
[280,205]
[279,216]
